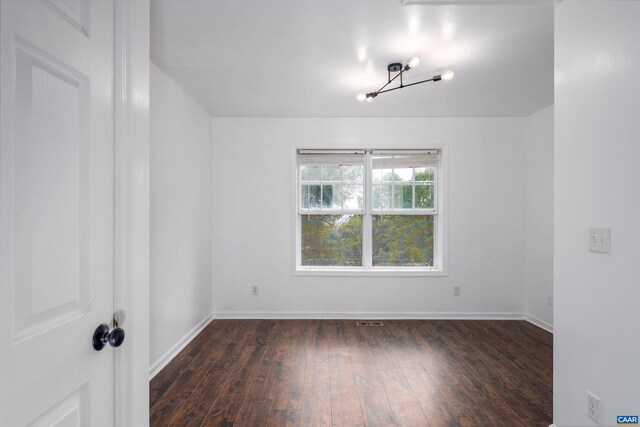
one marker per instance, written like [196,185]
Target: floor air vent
[369,323]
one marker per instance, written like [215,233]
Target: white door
[56,212]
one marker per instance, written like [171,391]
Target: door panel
[50,175]
[70,412]
[56,211]
[77,11]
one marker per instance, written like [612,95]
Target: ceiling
[310,58]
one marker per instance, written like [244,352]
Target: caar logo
[627,420]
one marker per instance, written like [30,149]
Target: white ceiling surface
[310,58]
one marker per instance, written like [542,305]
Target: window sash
[387,183]
[341,189]
[415,159]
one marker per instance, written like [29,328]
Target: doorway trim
[131,209]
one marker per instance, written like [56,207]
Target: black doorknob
[102,336]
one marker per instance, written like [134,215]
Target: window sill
[370,271]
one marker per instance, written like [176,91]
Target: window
[369,210]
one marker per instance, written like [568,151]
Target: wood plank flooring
[431,373]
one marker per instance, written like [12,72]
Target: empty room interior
[292,197]
[366,213]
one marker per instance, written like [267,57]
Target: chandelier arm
[402,87]
[387,84]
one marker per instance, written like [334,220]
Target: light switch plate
[600,240]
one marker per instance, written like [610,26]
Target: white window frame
[367,269]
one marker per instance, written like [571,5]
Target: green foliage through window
[332,240]
[403,240]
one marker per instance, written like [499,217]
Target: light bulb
[369,98]
[361,97]
[447,76]
[413,62]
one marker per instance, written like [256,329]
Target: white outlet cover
[593,406]
[600,240]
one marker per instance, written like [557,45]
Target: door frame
[131,209]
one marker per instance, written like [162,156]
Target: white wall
[181,192]
[597,137]
[538,216]
[254,212]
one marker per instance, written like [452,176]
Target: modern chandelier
[400,69]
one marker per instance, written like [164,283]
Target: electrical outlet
[550,300]
[255,290]
[600,240]
[456,291]
[593,406]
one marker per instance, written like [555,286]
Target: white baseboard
[178,347]
[366,315]
[384,315]
[539,322]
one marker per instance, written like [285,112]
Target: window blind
[330,157]
[383,159]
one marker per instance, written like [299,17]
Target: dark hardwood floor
[252,373]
